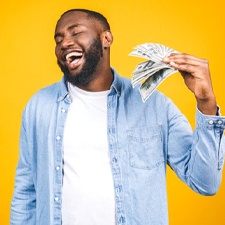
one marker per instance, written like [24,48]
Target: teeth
[76,54]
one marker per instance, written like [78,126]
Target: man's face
[78,47]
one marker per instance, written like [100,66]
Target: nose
[66,43]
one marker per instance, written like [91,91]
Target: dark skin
[75,32]
[195,72]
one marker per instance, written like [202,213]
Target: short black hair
[92,14]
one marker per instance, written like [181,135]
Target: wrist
[208,106]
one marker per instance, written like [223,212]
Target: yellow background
[27,63]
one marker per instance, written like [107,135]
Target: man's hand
[196,74]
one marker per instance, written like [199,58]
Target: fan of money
[153,72]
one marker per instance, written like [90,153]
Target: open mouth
[73,57]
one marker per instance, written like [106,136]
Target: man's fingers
[187,63]
[185,67]
[184,59]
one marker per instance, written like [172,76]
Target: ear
[107,39]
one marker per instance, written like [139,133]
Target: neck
[101,81]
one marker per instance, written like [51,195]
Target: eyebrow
[58,34]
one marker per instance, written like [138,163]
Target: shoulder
[46,96]
[49,91]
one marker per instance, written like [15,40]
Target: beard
[92,58]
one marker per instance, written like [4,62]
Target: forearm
[23,212]
[196,157]
[23,206]
[207,106]
[206,161]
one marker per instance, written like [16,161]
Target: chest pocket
[145,147]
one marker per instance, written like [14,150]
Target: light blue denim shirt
[142,139]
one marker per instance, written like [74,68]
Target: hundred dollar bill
[145,70]
[147,88]
[152,72]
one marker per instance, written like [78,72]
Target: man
[93,153]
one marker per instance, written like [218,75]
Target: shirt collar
[117,83]
[115,87]
[63,93]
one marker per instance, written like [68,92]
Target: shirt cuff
[210,120]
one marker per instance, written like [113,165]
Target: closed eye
[58,40]
[76,33]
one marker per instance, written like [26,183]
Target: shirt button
[114,160]
[57,167]
[112,130]
[63,110]
[60,99]
[58,138]
[220,122]
[210,122]
[56,199]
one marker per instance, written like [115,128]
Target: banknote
[153,82]
[150,74]
[146,69]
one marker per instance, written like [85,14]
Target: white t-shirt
[88,192]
